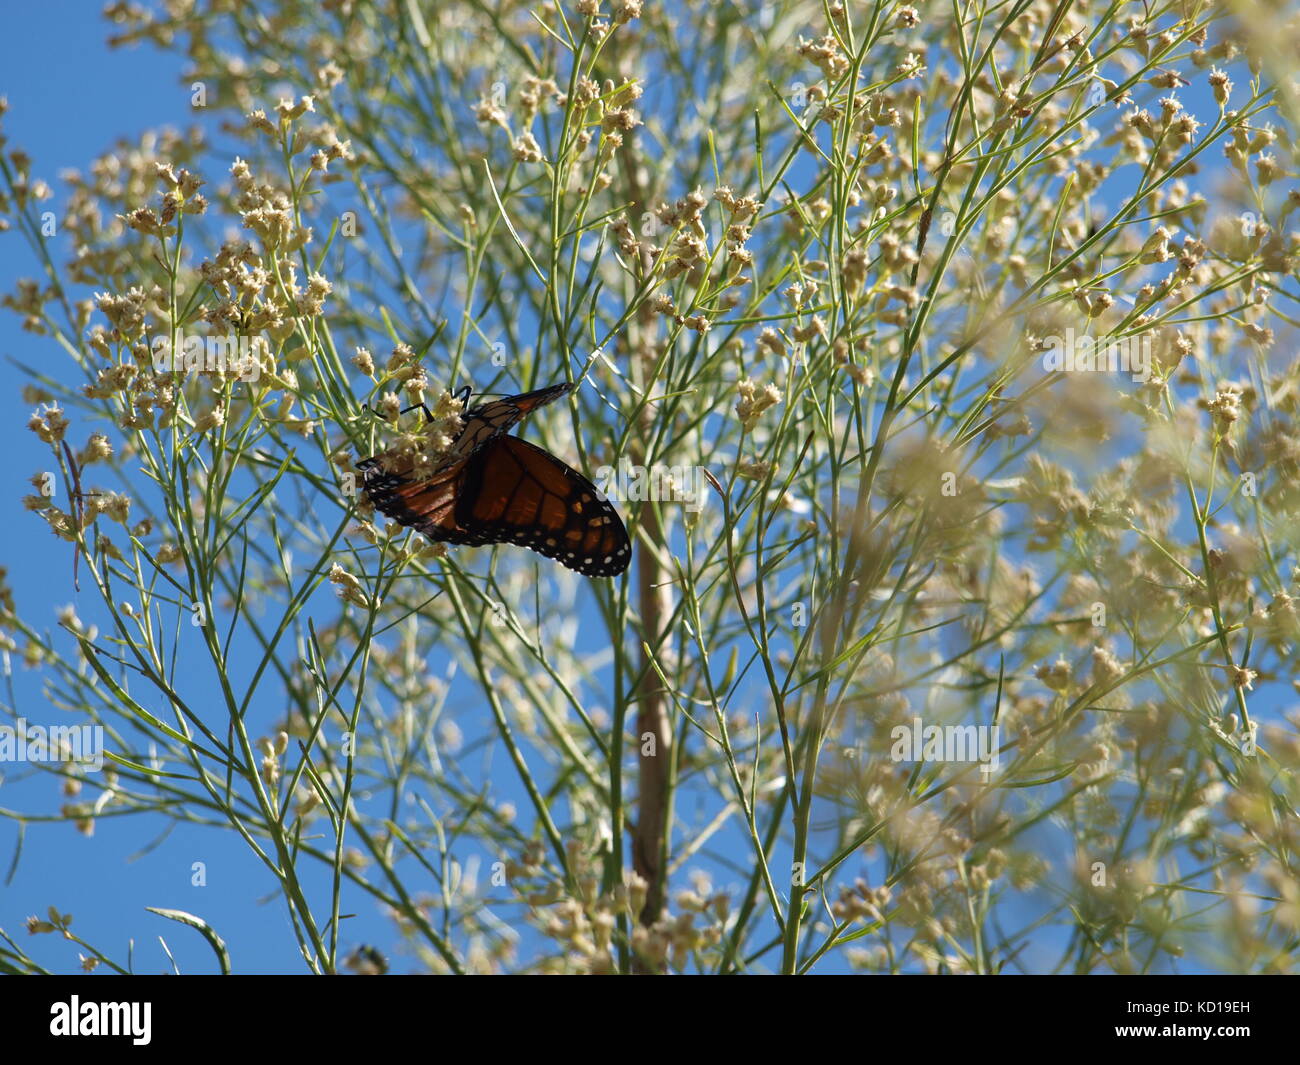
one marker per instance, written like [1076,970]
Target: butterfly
[494,488]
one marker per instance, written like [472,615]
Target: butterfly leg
[428,414]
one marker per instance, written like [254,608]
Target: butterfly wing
[487,421]
[519,494]
[428,506]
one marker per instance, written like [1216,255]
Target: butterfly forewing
[487,421]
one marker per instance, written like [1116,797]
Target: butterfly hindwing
[428,506]
[520,494]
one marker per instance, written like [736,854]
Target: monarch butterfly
[494,488]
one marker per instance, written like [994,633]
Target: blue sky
[70,98]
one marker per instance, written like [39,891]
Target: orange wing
[489,420]
[520,494]
[428,507]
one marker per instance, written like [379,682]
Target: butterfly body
[493,488]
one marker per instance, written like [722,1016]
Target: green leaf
[204,929]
